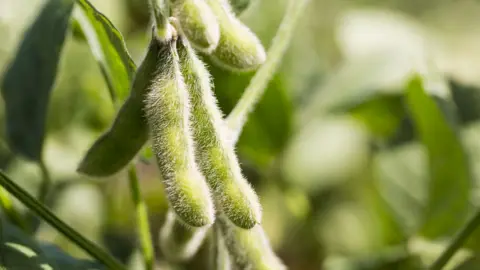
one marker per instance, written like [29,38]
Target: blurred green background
[331,149]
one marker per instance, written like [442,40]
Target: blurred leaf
[388,259]
[429,251]
[238,6]
[326,152]
[390,227]
[400,177]
[20,251]
[65,261]
[108,48]
[470,264]
[450,183]
[268,128]
[382,114]
[77,31]
[30,77]
[356,82]
[467,99]
[139,12]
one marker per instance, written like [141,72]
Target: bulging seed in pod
[198,23]
[214,154]
[129,132]
[249,249]
[238,6]
[167,110]
[178,241]
[239,48]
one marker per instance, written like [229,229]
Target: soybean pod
[129,132]
[179,241]
[249,249]
[239,49]
[197,23]
[214,153]
[167,110]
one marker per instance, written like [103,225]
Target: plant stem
[238,116]
[9,209]
[46,182]
[39,209]
[142,219]
[159,11]
[457,242]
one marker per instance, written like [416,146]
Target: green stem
[159,11]
[39,209]
[237,118]
[457,242]
[9,209]
[142,219]
[46,183]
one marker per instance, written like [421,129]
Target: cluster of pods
[172,103]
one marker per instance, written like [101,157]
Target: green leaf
[428,252]
[269,127]
[467,99]
[30,77]
[470,264]
[108,48]
[65,261]
[238,6]
[381,114]
[450,181]
[400,176]
[19,251]
[389,258]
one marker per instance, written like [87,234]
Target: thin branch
[39,209]
[238,116]
[45,184]
[457,242]
[142,219]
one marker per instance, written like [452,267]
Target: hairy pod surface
[239,49]
[198,23]
[178,241]
[129,131]
[214,154]
[249,249]
[167,111]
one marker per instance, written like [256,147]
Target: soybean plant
[172,103]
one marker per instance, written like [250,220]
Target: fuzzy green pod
[179,241]
[167,111]
[197,23]
[215,155]
[249,249]
[129,132]
[239,49]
